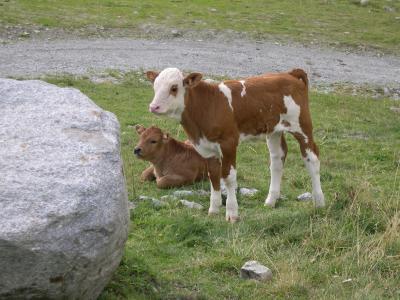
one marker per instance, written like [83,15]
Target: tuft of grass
[177,253]
[336,22]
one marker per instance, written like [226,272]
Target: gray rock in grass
[154,201]
[248,192]
[254,270]
[305,197]
[64,215]
[190,204]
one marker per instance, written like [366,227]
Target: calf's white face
[169,91]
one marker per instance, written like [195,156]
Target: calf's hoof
[213,212]
[232,219]
[319,200]
[271,199]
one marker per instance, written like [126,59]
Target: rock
[364,2]
[25,34]
[203,193]
[305,197]
[190,204]
[183,193]
[248,192]
[154,201]
[168,198]
[131,205]
[389,9]
[395,109]
[64,215]
[176,33]
[254,270]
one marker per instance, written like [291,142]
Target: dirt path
[236,58]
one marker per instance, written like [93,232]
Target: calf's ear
[139,128]
[151,75]
[192,80]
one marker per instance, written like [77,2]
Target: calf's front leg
[148,174]
[214,174]
[229,177]
[169,181]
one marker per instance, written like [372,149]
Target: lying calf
[173,163]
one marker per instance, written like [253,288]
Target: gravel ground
[236,58]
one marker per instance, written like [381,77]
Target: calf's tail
[300,74]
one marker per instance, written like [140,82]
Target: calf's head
[169,90]
[151,142]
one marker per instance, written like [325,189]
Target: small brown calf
[173,163]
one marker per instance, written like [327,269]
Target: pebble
[154,201]
[190,204]
[305,197]
[395,109]
[248,192]
[183,193]
[254,270]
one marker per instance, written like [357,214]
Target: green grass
[343,22]
[177,253]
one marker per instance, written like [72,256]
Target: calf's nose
[137,150]
[154,108]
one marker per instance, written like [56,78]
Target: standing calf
[216,116]
[173,163]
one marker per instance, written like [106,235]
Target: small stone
[158,203]
[213,9]
[364,2]
[305,197]
[190,204]
[389,9]
[347,280]
[254,270]
[167,197]
[176,33]
[395,109]
[154,201]
[203,193]
[248,192]
[183,193]
[25,34]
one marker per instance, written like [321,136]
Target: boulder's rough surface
[254,270]
[63,202]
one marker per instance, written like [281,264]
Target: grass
[177,253]
[338,22]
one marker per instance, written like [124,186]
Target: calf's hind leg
[310,153]
[277,152]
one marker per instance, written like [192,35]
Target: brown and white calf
[173,163]
[216,116]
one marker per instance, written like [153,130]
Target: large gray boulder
[63,202]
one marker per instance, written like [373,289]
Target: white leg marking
[227,92]
[313,165]
[215,201]
[243,93]
[276,166]
[232,213]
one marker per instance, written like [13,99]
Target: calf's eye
[153,141]
[174,89]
